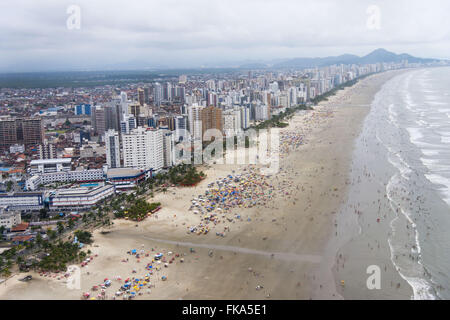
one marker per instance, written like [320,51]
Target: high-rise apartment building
[157,93]
[195,121]
[83,109]
[8,133]
[135,110]
[33,131]
[141,96]
[112,149]
[168,148]
[99,120]
[167,92]
[27,131]
[146,95]
[211,119]
[180,128]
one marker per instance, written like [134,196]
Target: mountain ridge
[377,56]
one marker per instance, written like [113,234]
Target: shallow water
[404,155]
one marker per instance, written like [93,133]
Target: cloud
[33,34]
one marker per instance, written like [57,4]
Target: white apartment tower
[143,148]
[124,104]
[195,121]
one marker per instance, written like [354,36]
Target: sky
[48,35]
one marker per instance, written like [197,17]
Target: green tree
[43,213]
[84,236]
[60,227]
[39,239]
[51,235]
[9,186]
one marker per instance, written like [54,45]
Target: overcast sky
[188,33]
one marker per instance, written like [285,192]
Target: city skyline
[206,150]
[210,34]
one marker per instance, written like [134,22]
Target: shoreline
[350,262]
[286,246]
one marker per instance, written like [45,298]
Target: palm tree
[39,239]
[60,227]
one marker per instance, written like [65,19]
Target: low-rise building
[79,198]
[20,148]
[123,178]
[25,201]
[10,219]
[50,165]
[94,175]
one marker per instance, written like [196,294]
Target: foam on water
[442,181]
[412,273]
[409,123]
[445,140]
[415,135]
[430,152]
[422,289]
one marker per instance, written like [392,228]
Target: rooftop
[22,238]
[50,161]
[123,172]
[22,194]
[20,227]
[81,191]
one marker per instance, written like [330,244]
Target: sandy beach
[295,242]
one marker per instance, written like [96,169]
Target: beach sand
[285,248]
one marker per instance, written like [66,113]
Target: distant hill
[377,56]
[255,65]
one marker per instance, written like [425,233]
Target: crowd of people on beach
[222,204]
[147,270]
[224,199]
[236,191]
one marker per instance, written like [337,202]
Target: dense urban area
[74,158]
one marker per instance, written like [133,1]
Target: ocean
[404,155]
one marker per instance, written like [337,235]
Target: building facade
[26,201]
[50,165]
[143,148]
[211,119]
[26,131]
[112,149]
[80,198]
[9,219]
